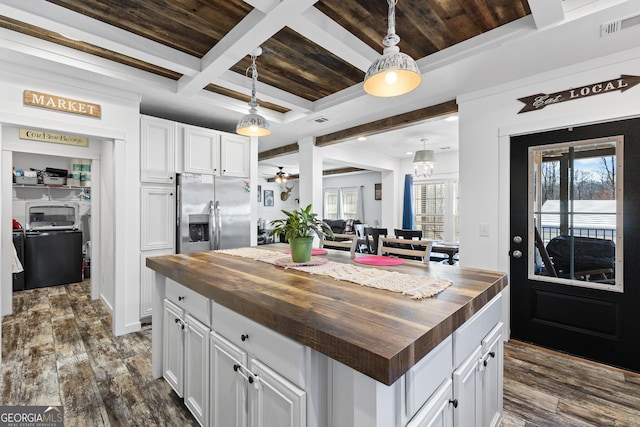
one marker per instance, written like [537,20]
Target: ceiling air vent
[321,120]
[621,24]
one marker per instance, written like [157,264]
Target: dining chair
[419,249]
[341,242]
[362,245]
[371,235]
[407,234]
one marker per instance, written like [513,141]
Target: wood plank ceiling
[290,62]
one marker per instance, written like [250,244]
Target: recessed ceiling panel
[295,64]
[190,26]
[424,26]
[242,97]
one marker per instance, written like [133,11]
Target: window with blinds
[436,210]
[350,203]
[331,204]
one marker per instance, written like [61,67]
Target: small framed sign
[377,193]
[259,193]
[268,197]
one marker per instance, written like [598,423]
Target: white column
[391,199]
[310,175]
[310,190]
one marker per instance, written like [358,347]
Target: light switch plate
[484,230]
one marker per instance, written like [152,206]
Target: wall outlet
[484,230]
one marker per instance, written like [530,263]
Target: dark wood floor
[547,388]
[58,349]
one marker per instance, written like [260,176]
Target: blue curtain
[407,207]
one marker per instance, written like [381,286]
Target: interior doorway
[26,155]
[574,210]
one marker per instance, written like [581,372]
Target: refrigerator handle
[218,225]
[212,225]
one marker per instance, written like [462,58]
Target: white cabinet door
[273,400]
[467,390]
[438,411]
[196,365]
[201,151]
[157,221]
[492,364]
[147,282]
[228,386]
[157,150]
[173,346]
[234,156]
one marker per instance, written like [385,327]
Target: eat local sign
[541,100]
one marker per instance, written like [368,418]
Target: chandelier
[393,73]
[281,177]
[423,162]
[253,124]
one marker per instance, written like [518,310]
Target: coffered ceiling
[188,58]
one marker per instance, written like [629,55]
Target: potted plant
[298,227]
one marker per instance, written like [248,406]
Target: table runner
[416,287]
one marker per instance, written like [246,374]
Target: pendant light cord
[254,78]
[391,39]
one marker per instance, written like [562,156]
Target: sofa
[342,226]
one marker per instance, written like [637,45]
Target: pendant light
[253,124]
[281,177]
[423,162]
[393,73]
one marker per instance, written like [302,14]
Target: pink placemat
[288,262]
[378,260]
[313,252]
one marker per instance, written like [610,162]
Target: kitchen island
[350,355]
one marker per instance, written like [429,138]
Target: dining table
[448,248]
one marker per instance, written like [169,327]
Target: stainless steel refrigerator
[213,212]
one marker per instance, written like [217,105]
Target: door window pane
[576,234]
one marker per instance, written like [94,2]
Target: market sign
[541,100]
[58,138]
[58,103]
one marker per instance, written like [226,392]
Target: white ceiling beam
[325,32]
[252,31]
[240,83]
[546,12]
[48,51]
[76,26]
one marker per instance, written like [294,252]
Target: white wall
[489,117]
[391,178]
[269,213]
[372,208]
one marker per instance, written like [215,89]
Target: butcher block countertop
[379,333]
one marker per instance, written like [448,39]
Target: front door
[575,230]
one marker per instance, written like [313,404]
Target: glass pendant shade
[393,73]
[423,162]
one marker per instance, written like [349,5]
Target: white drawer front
[282,354]
[468,336]
[190,301]
[426,376]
